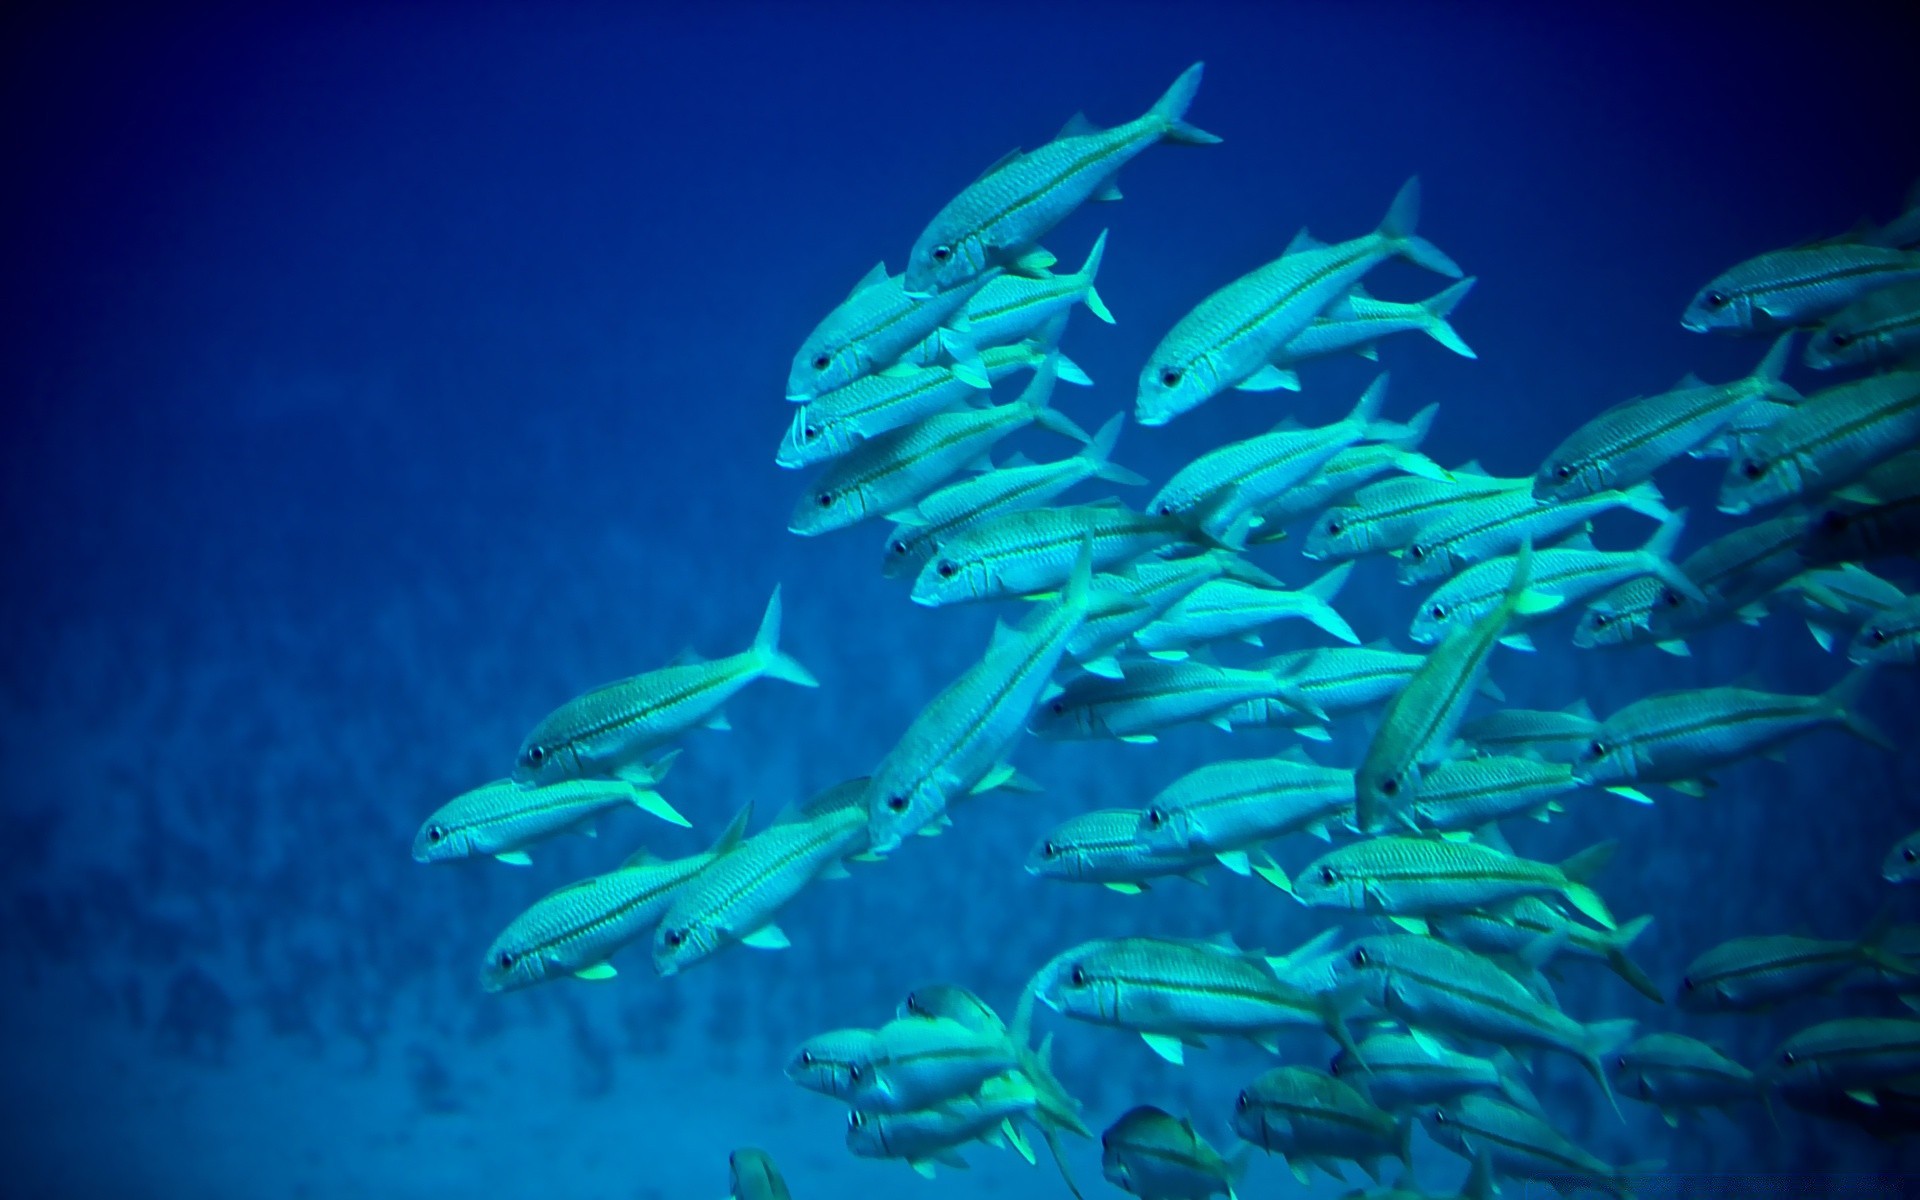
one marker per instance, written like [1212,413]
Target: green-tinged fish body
[960,739]
[1357,321]
[1522,1145]
[1154,695]
[833,423]
[1881,328]
[1627,443]
[1154,1155]
[1175,992]
[1346,472]
[1849,1055]
[1844,532]
[1751,973]
[1890,638]
[1232,608]
[1832,438]
[1228,808]
[999,219]
[1387,514]
[1674,1072]
[1128,600]
[1469,793]
[1732,577]
[501,819]
[878,325]
[1099,847]
[1491,528]
[888,473]
[1438,988]
[953,1002]
[1574,571]
[1417,876]
[919,1062]
[1031,551]
[1335,680]
[1836,602]
[751,1175]
[1680,736]
[1012,308]
[1533,931]
[577,929]
[1784,288]
[1230,338]
[1902,864]
[1555,737]
[1418,726]
[604,733]
[1312,1119]
[1398,1071]
[735,898]
[829,1062]
[935,1135]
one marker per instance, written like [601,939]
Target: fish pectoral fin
[599,970]
[654,804]
[1696,788]
[1519,641]
[767,937]
[1272,873]
[1428,1046]
[1314,733]
[834,870]
[1139,739]
[1018,1141]
[1409,925]
[717,721]
[1106,667]
[1125,889]
[1863,1096]
[1630,793]
[1236,861]
[1168,655]
[515,858]
[1675,647]
[1166,1046]
[1270,379]
[1109,192]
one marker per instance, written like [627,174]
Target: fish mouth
[1690,324]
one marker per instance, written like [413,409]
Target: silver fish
[1348,471]
[1226,809]
[1030,551]
[1385,515]
[1495,527]
[1732,577]
[1674,1072]
[1830,439]
[1335,680]
[935,1135]
[831,424]
[503,818]
[1750,973]
[1521,1144]
[1555,737]
[1153,695]
[1231,608]
[1466,794]
[1420,876]
[1881,328]
[828,1062]
[751,1175]
[1404,1070]
[1013,308]
[1312,1119]
[1532,932]
[1154,1155]
[1849,1055]
[875,326]
[1128,600]
[1099,847]
[1356,321]
[1784,288]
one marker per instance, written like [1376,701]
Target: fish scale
[1152,695]
[1031,550]
[833,423]
[1498,526]
[876,325]
[1468,793]
[1420,875]
[1232,805]
[1164,986]
[1099,847]
[1798,286]
[1831,439]
[1388,514]
[585,923]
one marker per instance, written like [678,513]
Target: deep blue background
[375,380]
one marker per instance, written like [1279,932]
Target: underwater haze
[379,379]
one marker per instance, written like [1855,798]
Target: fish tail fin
[1626,968]
[1366,410]
[1099,454]
[1037,399]
[1059,1158]
[1088,270]
[1600,1039]
[1582,867]
[1080,584]
[1408,436]
[1508,1072]
[1768,373]
[1645,498]
[1171,110]
[777,664]
[1398,227]
[1317,604]
[1438,308]
[1844,697]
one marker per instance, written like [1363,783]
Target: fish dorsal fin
[687,657]
[1470,467]
[1688,382]
[735,830]
[1077,126]
[1224,940]
[789,814]
[639,858]
[1002,161]
[1002,634]
[1302,241]
[1579,539]
[1579,708]
[877,275]
[840,795]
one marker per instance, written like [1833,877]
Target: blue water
[376,381]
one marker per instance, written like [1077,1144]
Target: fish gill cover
[1447,675]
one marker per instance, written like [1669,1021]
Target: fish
[1233,608]
[1153,695]
[1356,321]
[735,898]
[957,507]
[1493,528]
[1099,847]
[1419,876]
[999,219]
[934,1136]
[604,733]
[1554,737]
[1441,989]
[1676,1073]
[953,1002]
[1753,419]
[1748,974]
[880,324]
[1029,551]
[1625,444]
[1312,1119]
[1405,1070]
[1013,308]
[1346,472]
[1574,571]
[1230,338]
[885,475]
[1175,993]
[1902,864]
[1864,532]
[1150,1153]
[828,1062]
[1335,680]
[1800,286]
[1385,515]
[920,1062]
[501,819]
[1623,617]
[576,930]
[1533,932]
[1127,600]
[832,424]
[1675,738]
[1837,601]
[1419,723]
[1466,794]
[1223,491]
[957,744]
[1521,1144]
[1732,576]
[1880,329]
[751,1175]
[1228,809]
[1854,1056]
[1829,440]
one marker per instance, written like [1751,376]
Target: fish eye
[1715,299]
[825,499]
[897,803]
[1620,1063]
[1359,956]
[1840,338]
[1079,977]
[1686,983]
[1048,849]
[810,432]
[1059,707]
[942,253]
[506,960]
[1438,612]
[1909,854]
[1328,875]
[1670,598]
[435,833]
[676,936]
[1156,816]
[853,1074]
[806,1058]
[1333,1064]
[1753,468]
[1439,1116]
[1171,376]
[1416,552]
[1389,787]
[1240,1102]
[1333,528]
[821,362]
[1787,1059]
[1596,751]
[1878,637]
[898,547]
[856,1120]
[1563,471]
[536,755]
[1166,510]
[947,568]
